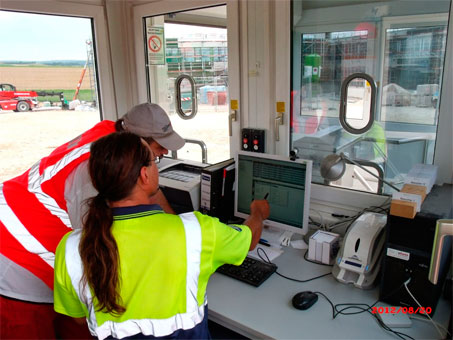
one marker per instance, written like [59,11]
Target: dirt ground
[27,137]
[43,78]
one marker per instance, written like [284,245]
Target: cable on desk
[362,309]
[424,313]
[265,258]
[336,310]
[321,264]
[428,320]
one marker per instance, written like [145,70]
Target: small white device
[395,320]
[359,258]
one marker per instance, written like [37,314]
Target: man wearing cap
[40,206]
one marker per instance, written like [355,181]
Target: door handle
[278,121]
[232,117]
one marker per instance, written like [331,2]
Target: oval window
[358,93]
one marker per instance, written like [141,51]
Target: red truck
[19,101]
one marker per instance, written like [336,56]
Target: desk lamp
[333,167]
[443,228]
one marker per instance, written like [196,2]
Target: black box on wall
[253,140]
[407,253]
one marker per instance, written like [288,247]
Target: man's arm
[259,211]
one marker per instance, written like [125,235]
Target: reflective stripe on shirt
[18,230]
[157,327]
[35,181]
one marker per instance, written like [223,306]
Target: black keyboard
[251,271]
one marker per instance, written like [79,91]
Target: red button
[255,141]
[245,140]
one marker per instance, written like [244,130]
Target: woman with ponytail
[133,270]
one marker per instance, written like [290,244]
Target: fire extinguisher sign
[155,45]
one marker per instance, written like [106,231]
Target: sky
[179,31]
[36,37]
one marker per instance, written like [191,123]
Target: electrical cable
[321,220]
[383,208]
[362,309]
[424,312]
[427,320]
[336,310]
[266,259]
[311,261]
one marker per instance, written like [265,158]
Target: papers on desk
[272,252]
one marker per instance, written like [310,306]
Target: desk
[266,311]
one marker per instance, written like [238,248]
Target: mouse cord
[362,307]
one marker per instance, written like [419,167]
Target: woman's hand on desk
[259,211]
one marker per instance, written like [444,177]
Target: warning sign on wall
[156,45]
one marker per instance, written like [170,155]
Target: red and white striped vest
[33,213]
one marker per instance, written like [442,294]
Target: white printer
[180,180]
[358,261]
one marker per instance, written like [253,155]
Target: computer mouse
[304,300]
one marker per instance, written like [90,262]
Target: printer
[180,180]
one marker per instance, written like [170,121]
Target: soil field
[43,78]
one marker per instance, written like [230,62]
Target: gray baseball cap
[150,120]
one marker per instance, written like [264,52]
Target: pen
[264,243]
[265,196]
[223,182]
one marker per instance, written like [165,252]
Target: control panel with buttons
[253,140]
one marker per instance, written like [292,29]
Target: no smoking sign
[154,43]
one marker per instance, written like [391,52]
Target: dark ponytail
[115,164]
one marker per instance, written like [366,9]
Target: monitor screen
[285,182]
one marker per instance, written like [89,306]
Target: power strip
[395,320]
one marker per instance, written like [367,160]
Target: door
[186,72]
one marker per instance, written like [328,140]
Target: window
[48,56]
[402,47]
[203,58]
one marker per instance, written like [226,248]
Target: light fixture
[333,167]
[443,228]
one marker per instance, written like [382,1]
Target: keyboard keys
[251,271]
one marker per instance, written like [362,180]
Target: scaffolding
[89,66]
[91,72]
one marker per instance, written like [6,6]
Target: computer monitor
[287,184]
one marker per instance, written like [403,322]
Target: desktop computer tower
[217,192]
[407,253]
